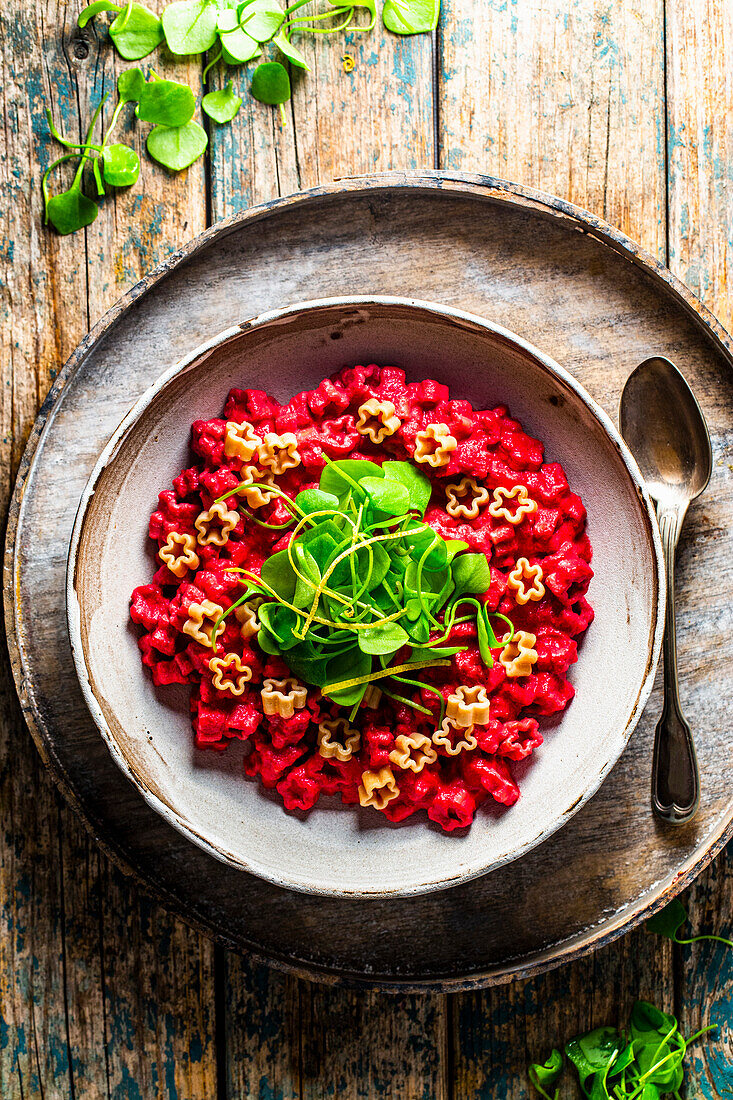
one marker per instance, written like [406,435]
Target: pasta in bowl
[374,583]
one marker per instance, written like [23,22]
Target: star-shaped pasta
[454,738]
[336,738]
[377,788]
[413,751]
[377,419]
[256,486]
[466,498]
[519,654]
[201,620]
[525,505]
[235,684]
[520,574]
[435,445]
[283,697]
[246,616]
[279,452]
[179,553]
[469,706]
[241,440]
[215,525]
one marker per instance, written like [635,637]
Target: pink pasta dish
[376,587]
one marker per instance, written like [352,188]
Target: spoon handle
[675,775]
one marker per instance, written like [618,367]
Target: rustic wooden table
[623,106]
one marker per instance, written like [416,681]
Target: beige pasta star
[447,734]
[525,505]
[519,654]
[435,445]
[413,751]
[246,616]
[377,419]
[336,738]
[256,486]
[201,620]
[520,574]
[377,788]
[469,706]
[179,561]
[283,697]
[466,498]
[220,665]
[215,525]
[241,440]
[279,452]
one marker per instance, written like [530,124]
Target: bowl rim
[116,441]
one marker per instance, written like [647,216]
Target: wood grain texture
[700,157]
[564,95]
[70,925]
[700,149]
[286,1038]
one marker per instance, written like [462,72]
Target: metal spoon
[665,429]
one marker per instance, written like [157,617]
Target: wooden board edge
[488,188]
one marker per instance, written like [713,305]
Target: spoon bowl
[664,427]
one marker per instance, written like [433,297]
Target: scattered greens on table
[645,1063]
[361,579]
[232,34]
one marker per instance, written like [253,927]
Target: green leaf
[384,639]
[593,1053]
[417,485]
[668,921]
[337,477]
[543,1075]
[271,85]
[278,573]
[422,538]
[315,500]
[190,26]
[261,19]
[221,105]
[137,33]
[411,16]
[280,622]
[471,573]
[386,496]
[94,9]
[177,147]
[130,85]
[71,210]
[166,103]
[237,45]
[293,54]
[349,665]
[454,546]
[121,165]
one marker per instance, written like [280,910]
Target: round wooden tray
[582,292]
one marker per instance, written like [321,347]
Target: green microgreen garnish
[668,921]
[232,34]
[643,1063]
[363,579]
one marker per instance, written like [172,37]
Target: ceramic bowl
[336,850]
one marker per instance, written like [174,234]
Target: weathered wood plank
[378,117]
[700,94]
[565,95]
[65,933]
[498,1033]
[363,1045]
[700,155]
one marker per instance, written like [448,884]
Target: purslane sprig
[233,34]
[362,580]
